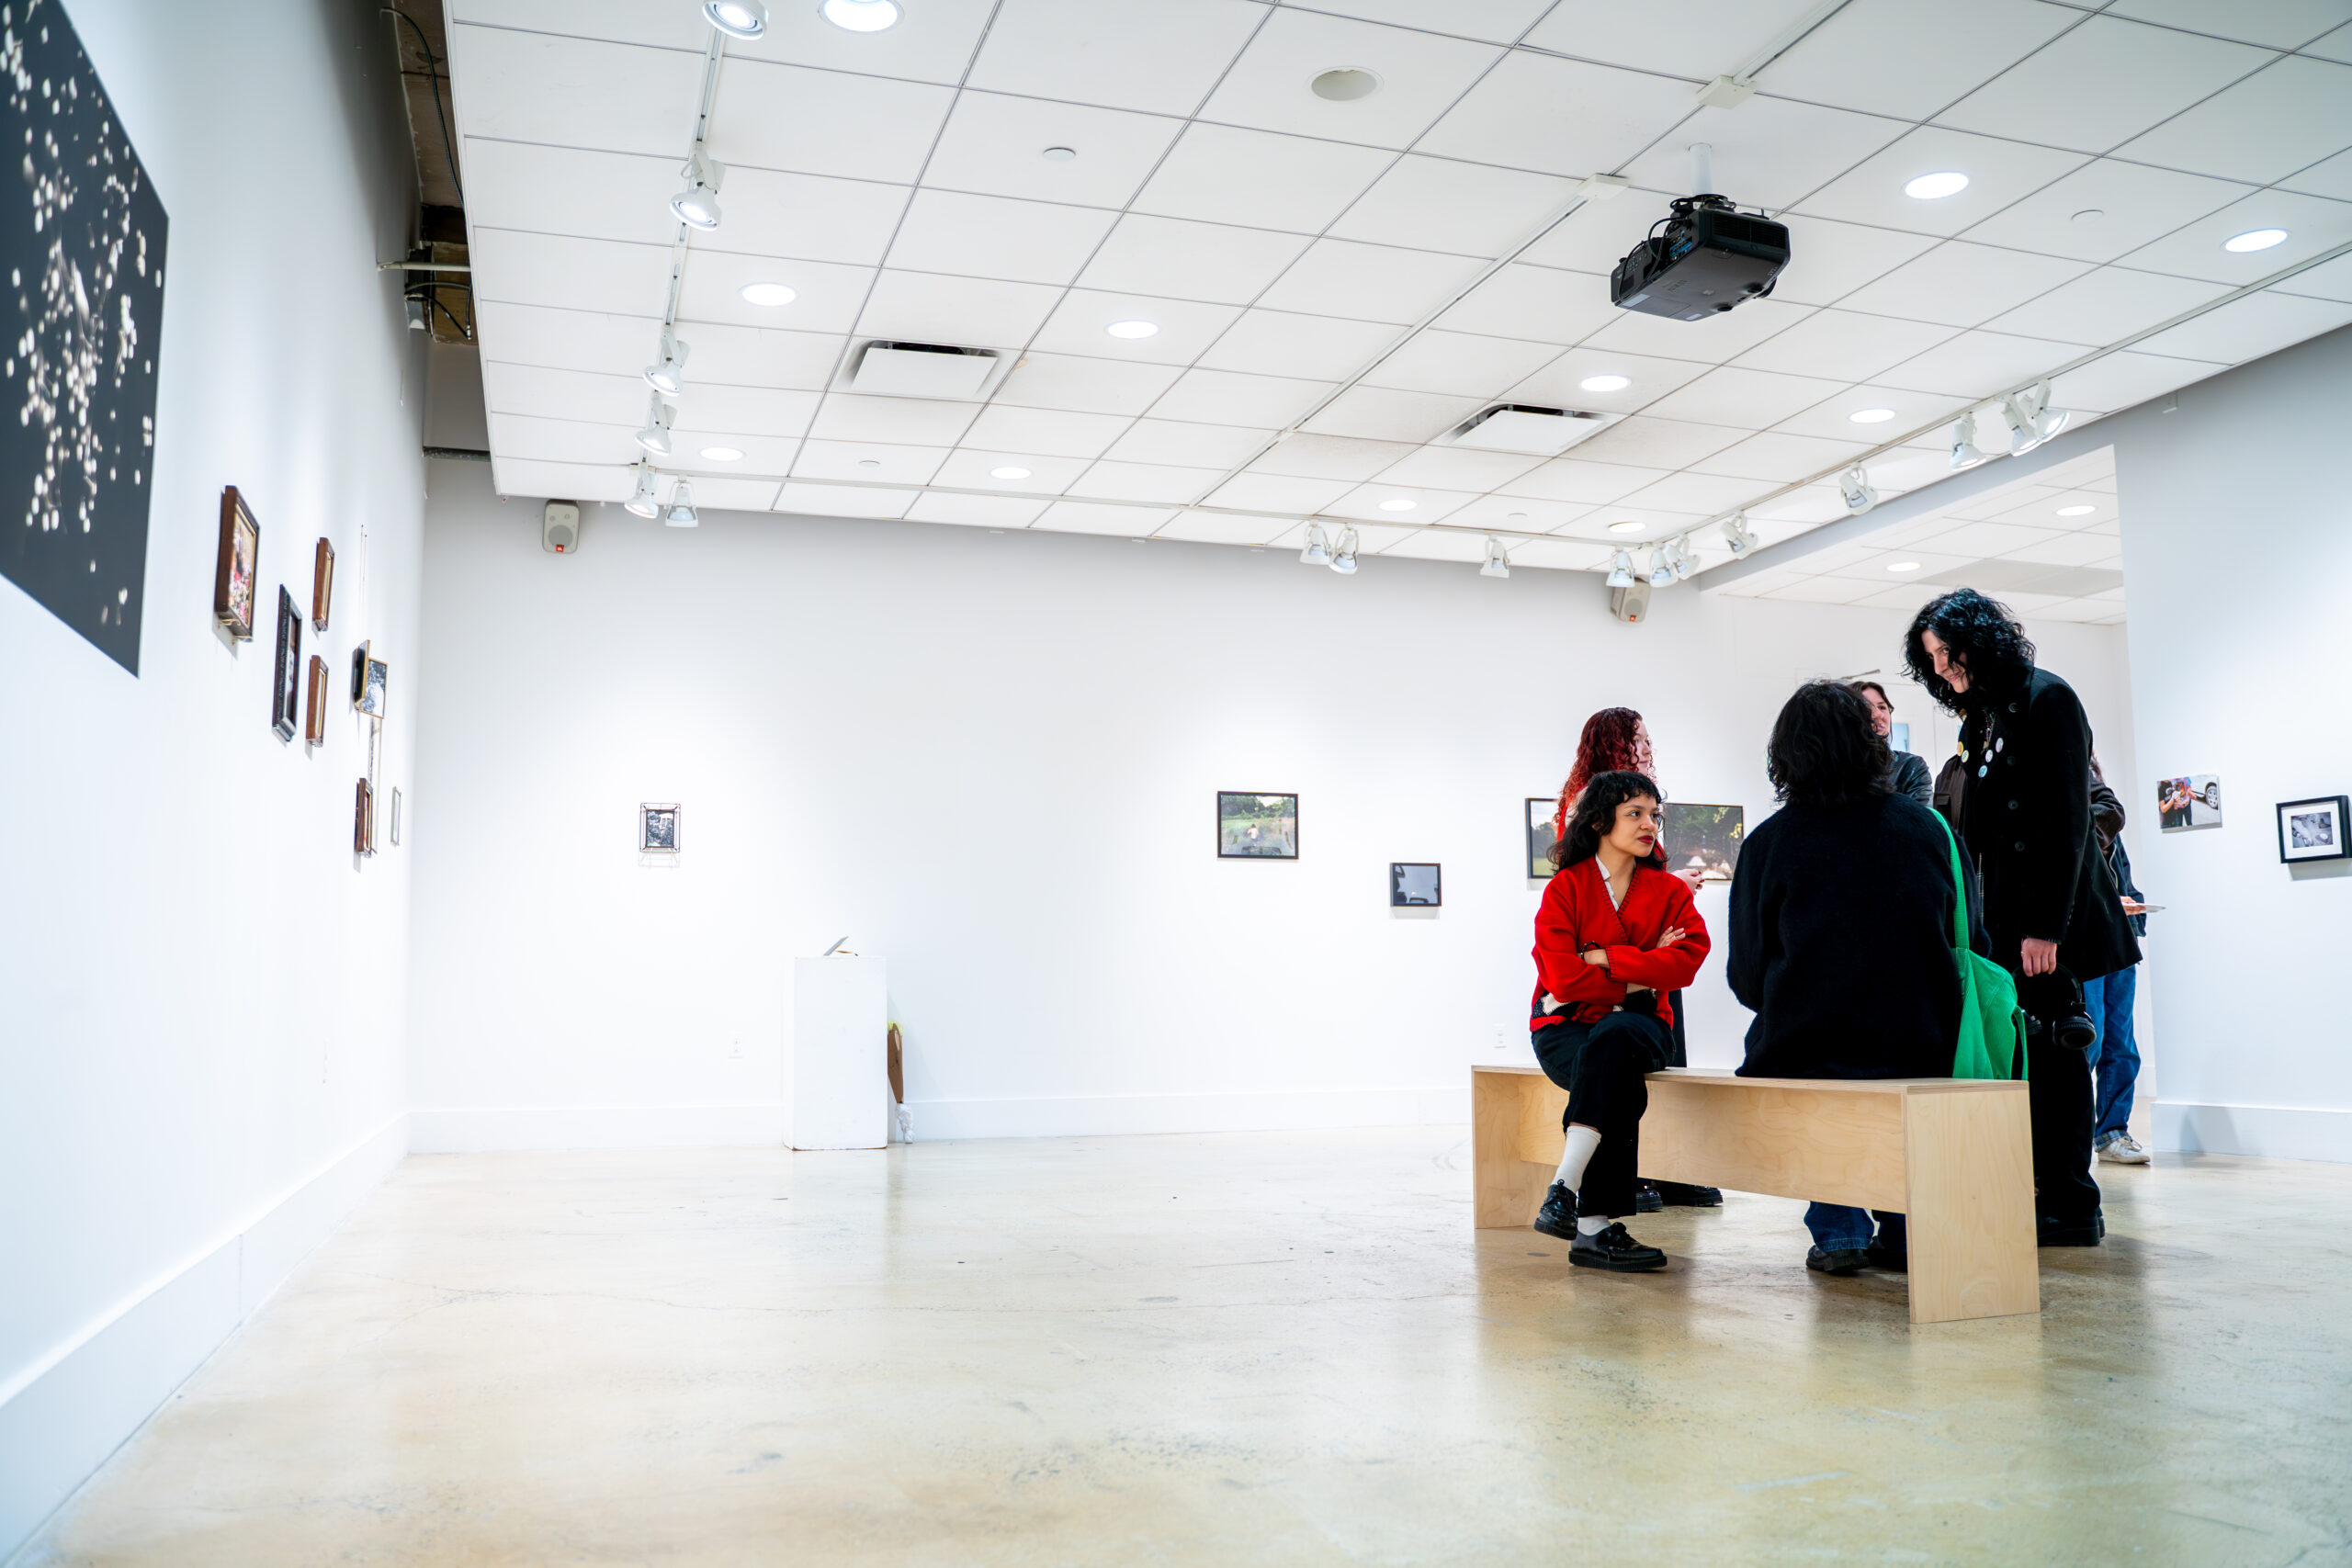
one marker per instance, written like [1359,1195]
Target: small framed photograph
[1250,825]
[239,567]
[285,690]
[369,676]
[656,828]
[1540,836]
[1702,838]
[2191,802]
[314,712]
[322,585]
[2312,829]
[363,820]
[1414,884]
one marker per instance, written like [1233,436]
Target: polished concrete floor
[1229,1349]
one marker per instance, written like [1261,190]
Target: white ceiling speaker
[736,18]
[681,513]
[1345,85]
[1854,486]
[1629,602]
[924,370]
[1518,427]
[560,527]
[1497,559]
[696,207]
[1343,559]
[667,375]
[1318,549]
[642,504]
[655,436]
[1964,453]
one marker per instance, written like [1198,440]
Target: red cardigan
[1575,915]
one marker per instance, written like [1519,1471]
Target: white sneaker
[2121,1150]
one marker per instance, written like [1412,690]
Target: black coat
[1841,926]
[2025,815]
[1909,777]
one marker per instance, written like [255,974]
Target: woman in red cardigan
[1615,933]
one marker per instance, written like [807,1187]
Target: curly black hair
[1825,751]
[1982,636]
[1596,814]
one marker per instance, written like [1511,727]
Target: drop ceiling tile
[1457,469]
[1494,21]
[972,313]
[975,511]
[762,455]
[844,500]
[1828,261]
[573,482]
[1379,413]
[1218,173]
[1596,236]
[1421,73]
[911,422]
[1656,524]
[1962,284]
[1437,543]
[2104,209]
[2290,114]
[2274,24]
[1823,591]
[569,274]
[1365,504]
[1369,283]
[2112,303]
[733,495]
[1039,430]
[1828,421]
[567,190]
[1999,173]
[1979,365]
[516,436]
[1332,457]
[1576,479]
[2313,223]
[811,215]
[2329,280]
[563,394]
[1210,528]
[1193,445]
[1558,116]
[2102,83]
[868,461]
[1132,54]
[1780,457]
[1650,442]
[2064,549]
[1143,482]
[1459,362]
[994,236]
[1702,39]
[746,411]
[1697,493]
[1976,541]
[820,122]
[1519,514]
[1104,518]
[1277,492]
[1442,203]
[1769,152]
[747,357]
[1747,399]
[1843,346]
[1946,49]
[1181,260]
[565,340]
[1085,385]
[1283,343]
[1561,384]
[2249,328]
[1229,397]
[1872,567]
[2336,45]
[994,144]
[2330,177]
[1557,554]
[938,50]
[1081,321]
[973,467]
[827,296]
[616,97]
[1711,342]
[1542,303]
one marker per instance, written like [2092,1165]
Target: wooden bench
[1953,1154]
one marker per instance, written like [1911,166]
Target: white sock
[1592,1225]
[1582,1140]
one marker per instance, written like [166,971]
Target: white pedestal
[837,1067]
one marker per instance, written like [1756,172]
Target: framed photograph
[369,675]
[2313,829]
[396,814]
[2191,802]
[1540,836]
[240,565]
[322,585]
[314,712]
[1702,838]
[363,820]
[657,829]
[285,690]
[1414,884]
[1250,825]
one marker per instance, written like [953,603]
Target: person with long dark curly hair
[1615,936]
[2051,910]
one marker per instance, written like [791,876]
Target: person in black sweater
[1841,931]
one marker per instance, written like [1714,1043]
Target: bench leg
[1969,1161]
[1510,1115]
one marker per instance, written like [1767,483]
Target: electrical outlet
[735,1051]
[1502,1042]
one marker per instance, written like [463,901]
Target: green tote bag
[1992,1029]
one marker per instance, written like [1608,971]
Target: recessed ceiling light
[1871,416]
[860,16]
[1058,155]
[1008,473]
[722,454]
[1132,329]
[2255,240]
[1903,566]
[1606,383]
[1938,185]
[736,18]
[2076,511]
[1624,528]
[770,293]
[1398,503]
[1345,85]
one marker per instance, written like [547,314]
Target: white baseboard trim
[62,1416]
[2275,1132]
[481,1129]
[1064,1116]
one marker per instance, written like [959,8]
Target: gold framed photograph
[363,820]
[314,714]
[322,585]
[238,567]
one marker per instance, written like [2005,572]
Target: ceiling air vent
[923,370]
[1515,427]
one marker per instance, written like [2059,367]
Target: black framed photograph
[1414,884]
[2312,829]
[656,828]
[286,693]
[1253,825]
[1540,836]
[1702,838]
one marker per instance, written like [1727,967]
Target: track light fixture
[1964,455]
[1497,559]
[681,513]
[1854,485]
[1661,572]
[1343,559]
[667,375]
[1686,565]
[655,436]
[1621,570]
[1318,549]
[642,504]
[1739,536]
[2030,418]
[697,206]
[736,18]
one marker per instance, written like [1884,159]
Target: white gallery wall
[991,759]
[201,993]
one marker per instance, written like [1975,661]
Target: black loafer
[1647,1199]
[1841,1261]
[1893,1259]
[2050,1232]
[1615,1250]
[1682,1195]
[1557,1217]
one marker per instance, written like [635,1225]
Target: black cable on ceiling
[433,78]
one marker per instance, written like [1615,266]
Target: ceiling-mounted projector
[1703,258]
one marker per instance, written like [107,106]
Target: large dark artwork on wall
[81,243]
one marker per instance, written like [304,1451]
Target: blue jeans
[2114,1056]
[1836,1228]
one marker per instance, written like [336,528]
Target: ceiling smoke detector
[1517,428]
[923,370]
